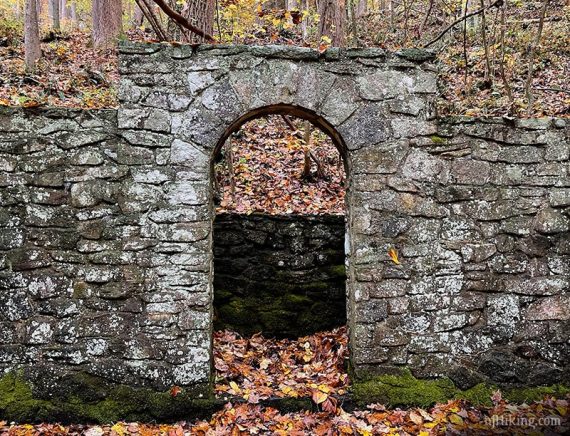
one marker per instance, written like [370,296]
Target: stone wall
[87,251]
[280,275]
[479,213]
[106,218]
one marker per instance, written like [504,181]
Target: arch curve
[287,109]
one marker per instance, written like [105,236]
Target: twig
[488,72]
[502,62]
[459,20]
[543,88]
[465,56]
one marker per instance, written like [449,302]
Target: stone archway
[364,99]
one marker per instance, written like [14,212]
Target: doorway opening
[279,230]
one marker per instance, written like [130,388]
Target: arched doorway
[279,229]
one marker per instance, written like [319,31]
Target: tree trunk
[200,13]
[138,16]
[107,22]
[31,35]
[73,13]
[54,13]
[361,8]
[332,21]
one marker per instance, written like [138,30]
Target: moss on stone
[337,270]
[405,390]
[525,395]
[402,390]
[436,139]
[69,402]
[294,301]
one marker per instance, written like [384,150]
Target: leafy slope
[268,162]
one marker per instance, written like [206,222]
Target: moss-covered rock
[405,390]
[84,398]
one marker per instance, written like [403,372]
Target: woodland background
[497,57]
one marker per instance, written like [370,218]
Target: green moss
[405,390]
[70,400]
[525,395]
[402,390]
[436,139]
[294,301]
[338,270]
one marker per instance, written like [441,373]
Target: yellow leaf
[319,397]
[455,419]
[235,387]
[394,256]
[119,429]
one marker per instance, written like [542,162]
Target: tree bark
[361,8]
[31,36]
[201,13]
[54,12]
[107,22]
[332,21]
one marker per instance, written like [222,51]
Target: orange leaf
[175,390]
[394,256]
[319,397]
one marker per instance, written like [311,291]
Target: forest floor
[268,175]
[257,368]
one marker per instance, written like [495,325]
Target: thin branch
[488,72]
[152,19]
[552,89]
[465,56]
[179,19]
[459,20]
[502,62]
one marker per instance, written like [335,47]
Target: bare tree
[107,22]
[332,21]
[53,8]
[31,35]
[533,48]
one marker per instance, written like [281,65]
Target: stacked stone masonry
[281,275]
[106,263]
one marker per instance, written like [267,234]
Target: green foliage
[11,29]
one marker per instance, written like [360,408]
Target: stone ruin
[106,264]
